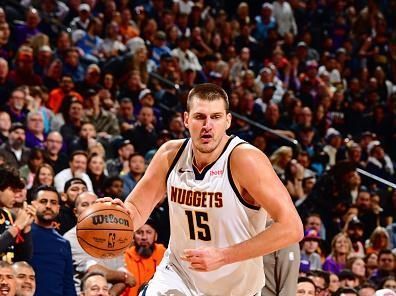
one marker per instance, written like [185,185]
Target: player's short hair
[208,92]
[87,276]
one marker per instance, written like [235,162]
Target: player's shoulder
[247,154]
[169,149]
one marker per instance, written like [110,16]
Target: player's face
[207,122]
[96,286]
[25,280]
[7,282]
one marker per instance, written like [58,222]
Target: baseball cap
[269,85]
[267,5]
[122,143]
[160,35]
[73,181]
[372,145]
[144,93]
[355,222]
[312,235]
[385,292]
[84,7]
[17,125]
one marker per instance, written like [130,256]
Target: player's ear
[185,117]
[228,119]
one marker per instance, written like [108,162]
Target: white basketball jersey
[206,210]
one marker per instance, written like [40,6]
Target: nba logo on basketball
[216,173]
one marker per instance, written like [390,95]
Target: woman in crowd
[341,247]
[95,171]
[358,267]
[44,176]
[379,240]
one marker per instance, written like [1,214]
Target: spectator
[5,125]
[78,166]
[321,280]
[187,59]
[136,171]
[96,172]
[284,17]
[379,240]
[358,268]
[91,81]
[72,65]
[52,259]
[125,116]
[305,286]
[14,151]
[94,283]
[66,218]
[73,118]
[120,165]
[7,279]
[44,176]
[15,234]
[86,138]
[143,258]
[66,88]
[6,86]
[28,171]
[104,121]
[355,230]
[35,135]
[113,187]
[23,74]
[386,266]
[25,279]
[16,106]
[348,279]
[341,247]
[53,155]
[309,248]
[28,29]
[144,129]
[81,22]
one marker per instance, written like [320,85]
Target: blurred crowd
[89,90]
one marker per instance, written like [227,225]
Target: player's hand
[115,201]
[204,259]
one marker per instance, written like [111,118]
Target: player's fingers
[104,199]
[191,252]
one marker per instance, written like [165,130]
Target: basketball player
[219,190]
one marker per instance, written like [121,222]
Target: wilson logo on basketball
[109,219]
[216,173]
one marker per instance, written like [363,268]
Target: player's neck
[201,160]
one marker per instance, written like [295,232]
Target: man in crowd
[15,231]
[142,259]
[14,151]
[54,156]
[52,258]
[120,165]
[25,279]
[7,279]
[78,166]
[136,171]
[94,284]
[67,218]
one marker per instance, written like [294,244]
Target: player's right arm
[152,187]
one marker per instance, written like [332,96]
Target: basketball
[104,230]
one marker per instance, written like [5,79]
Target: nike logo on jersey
[181,171]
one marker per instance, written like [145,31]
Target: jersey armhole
[178,154]
[232,183]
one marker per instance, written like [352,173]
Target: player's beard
[145,252]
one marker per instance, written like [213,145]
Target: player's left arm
[253,175]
